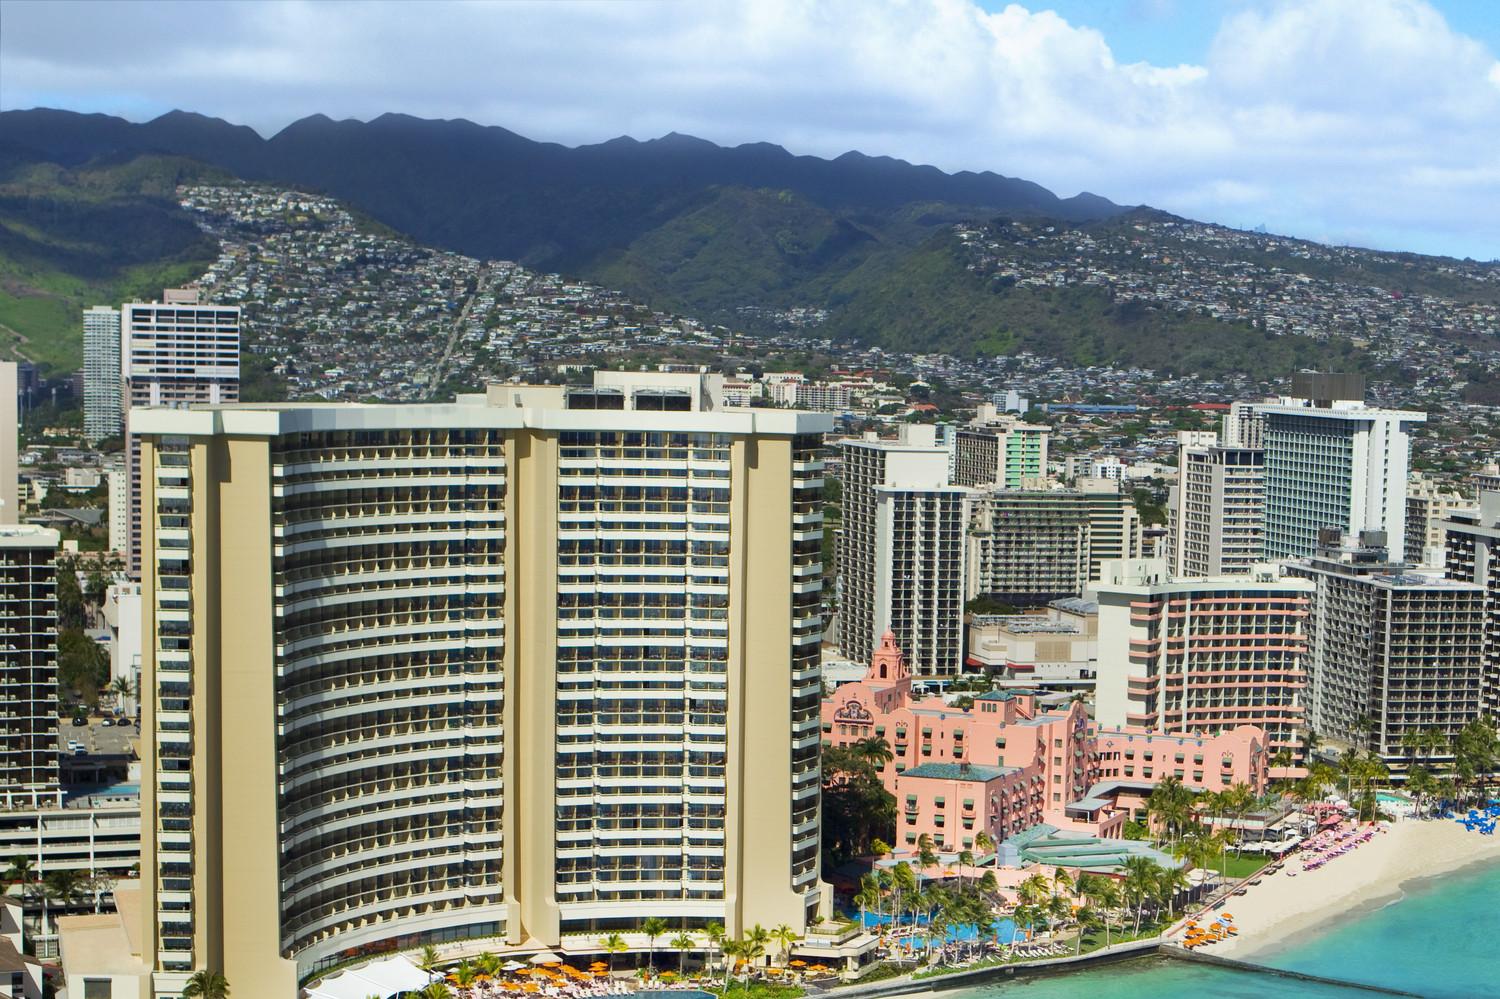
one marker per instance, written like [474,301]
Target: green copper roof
[958,771]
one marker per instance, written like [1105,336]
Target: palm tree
[925,855]
[429,960]
[875,750]
[1238,800]
[683,942]
[964,857]
[58,886]
[465,974]
[1034,889]
[1061,882]
[121,688]
[1088,919]
[1172,880]
[488,963]
[21,869]
[435,990]
[1171,806]
[206,985]
[755,943]
[1107,893]
[612,944]
[715,934]
[984,843]
[1060,909]
[1140,880]
[733,950]
[1420,782]
[653,927]
[785,936]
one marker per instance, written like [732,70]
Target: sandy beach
[1283,907]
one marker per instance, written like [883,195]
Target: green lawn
[1243,866]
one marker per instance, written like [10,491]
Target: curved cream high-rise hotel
[535,665]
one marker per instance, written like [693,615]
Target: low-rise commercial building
[1055,650]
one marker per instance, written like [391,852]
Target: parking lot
[98,739]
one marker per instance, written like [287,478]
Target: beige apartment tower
[535,665]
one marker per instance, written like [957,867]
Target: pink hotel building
[1202,654]
[1008,763]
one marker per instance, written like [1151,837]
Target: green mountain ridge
[99,234]
[897,277]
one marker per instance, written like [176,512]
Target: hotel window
[1198,775]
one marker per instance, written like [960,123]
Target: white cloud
[1312,116]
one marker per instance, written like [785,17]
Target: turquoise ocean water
[1441,940]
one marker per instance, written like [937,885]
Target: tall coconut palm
[714,932]
[653,927]
[206,985]
[612,944]
[429,961]
[985,843]
[733,951]
[1034,889]
[926,855]
[756,942]
[1172,881]
[1140,881]
[784,936]
[682,943]
[965,857]
[1106,892]
[1061,882]
[1088,919]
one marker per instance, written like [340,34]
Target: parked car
[107,722]
[80,721]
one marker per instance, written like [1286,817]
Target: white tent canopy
[546,957]
[387,978]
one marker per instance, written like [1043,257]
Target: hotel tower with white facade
[536,665]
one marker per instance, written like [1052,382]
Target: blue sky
[1371,122]
[1167,32]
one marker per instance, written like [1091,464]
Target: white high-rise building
[1332,462]
[103,407]
[119,509]
[1216,511]
[901,551]
[176,353]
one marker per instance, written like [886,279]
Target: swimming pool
[1004,929]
